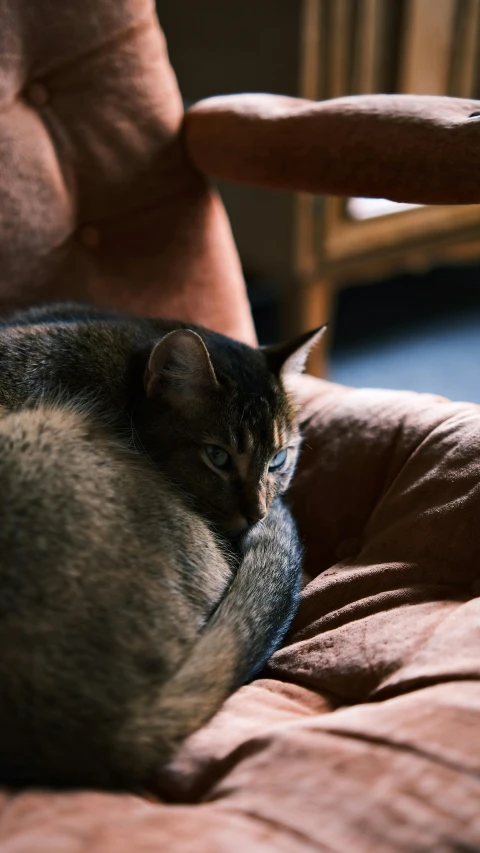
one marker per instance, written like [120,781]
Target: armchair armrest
[407,148]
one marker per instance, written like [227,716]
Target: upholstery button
[90,237]
[348,548]
[38,94]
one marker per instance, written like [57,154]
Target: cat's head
[218,422]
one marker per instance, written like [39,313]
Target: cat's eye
[217,456]
[278,461]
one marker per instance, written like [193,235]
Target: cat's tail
[245,629]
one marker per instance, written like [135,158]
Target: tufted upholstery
[98,198]
[363,734]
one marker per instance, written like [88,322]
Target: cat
[148,565]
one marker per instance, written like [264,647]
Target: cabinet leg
[309,304]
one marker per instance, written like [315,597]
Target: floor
[420,333]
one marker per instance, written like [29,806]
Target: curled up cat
[148,565]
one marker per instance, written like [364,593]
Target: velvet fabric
[362,733]
[408,148]
[99,200]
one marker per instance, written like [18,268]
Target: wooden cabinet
[362,47]
[322,49]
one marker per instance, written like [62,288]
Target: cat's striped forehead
[259,425]
[256,416]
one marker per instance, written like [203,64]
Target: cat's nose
[255,506]
[256,515]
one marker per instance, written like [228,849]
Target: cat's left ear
[179,365]
[290,358]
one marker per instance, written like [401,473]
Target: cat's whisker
[135,439]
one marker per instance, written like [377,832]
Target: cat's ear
[290,358]
[179,363]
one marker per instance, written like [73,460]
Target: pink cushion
[364,733]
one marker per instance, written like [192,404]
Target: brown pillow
[363,733]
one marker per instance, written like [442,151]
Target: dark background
[417,332]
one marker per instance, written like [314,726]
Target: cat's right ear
[291,357]
[179,364]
